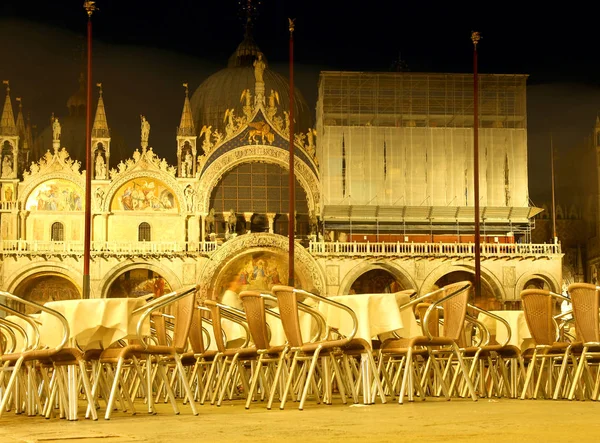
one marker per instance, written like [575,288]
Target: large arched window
[58,232]
[144,232]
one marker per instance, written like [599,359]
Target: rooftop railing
[433,249]
[348,249]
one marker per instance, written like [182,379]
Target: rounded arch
[50,184]
[400,274]
[257,153]
[541,275]
[213,271]
[162,177]
[171,278]
[57,269]
[445,269]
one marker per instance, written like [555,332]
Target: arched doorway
[487,300]
[376,281]
[138,282]
[42,288]
[537,283]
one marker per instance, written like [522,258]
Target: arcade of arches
[380,280]
[260,188]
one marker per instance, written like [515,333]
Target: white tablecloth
[93,323]
[376,314]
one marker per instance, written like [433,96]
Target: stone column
[201,218]
[248,219]
[105,222]
[225,216]
[23,230]
[271,218]
[192,230]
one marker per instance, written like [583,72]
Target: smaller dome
[245,54]
[77,101]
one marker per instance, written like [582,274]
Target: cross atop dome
[248,13]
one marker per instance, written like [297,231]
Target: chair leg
[276,378]
[88,390]
[185,384]
[407,365]
[463,369]
[337,372]
[162,373]
[578,372]
[11,383]
[309,377]
[254,381]
[227,379]
[114,389]
[289,381]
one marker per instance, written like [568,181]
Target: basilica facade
[383,192]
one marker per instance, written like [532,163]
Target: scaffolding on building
[420,99]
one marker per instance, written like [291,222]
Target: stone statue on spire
[259,68]
[145,131]
[55,129]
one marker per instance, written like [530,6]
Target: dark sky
[143,51]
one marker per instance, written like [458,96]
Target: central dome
[222,90]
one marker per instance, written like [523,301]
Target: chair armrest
[497,318]
[158,303]
[328,301]
[8,326]
[485,333]
[43,308]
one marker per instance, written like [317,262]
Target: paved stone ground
[432,420]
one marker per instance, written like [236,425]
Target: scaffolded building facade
[396,152]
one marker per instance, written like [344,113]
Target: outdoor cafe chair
[142,348]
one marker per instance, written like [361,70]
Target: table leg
[73,392]
[367,378]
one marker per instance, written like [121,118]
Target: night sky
[143,52]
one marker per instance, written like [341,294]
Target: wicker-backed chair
[504,361]
[162,353]
[539,306]
[271,356]
[454,301]
[308,353]
[200,355]
[233,357]
[585,299]
[59,358]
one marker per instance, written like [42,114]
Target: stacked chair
[452,356]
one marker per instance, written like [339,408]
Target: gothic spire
[7,122]
[28,143]
[20,120]
[100,128]
[186,126]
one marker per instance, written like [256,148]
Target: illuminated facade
[383,192]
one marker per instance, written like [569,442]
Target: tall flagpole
[90,7]
[476,37]
[554,236]
[292,182]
